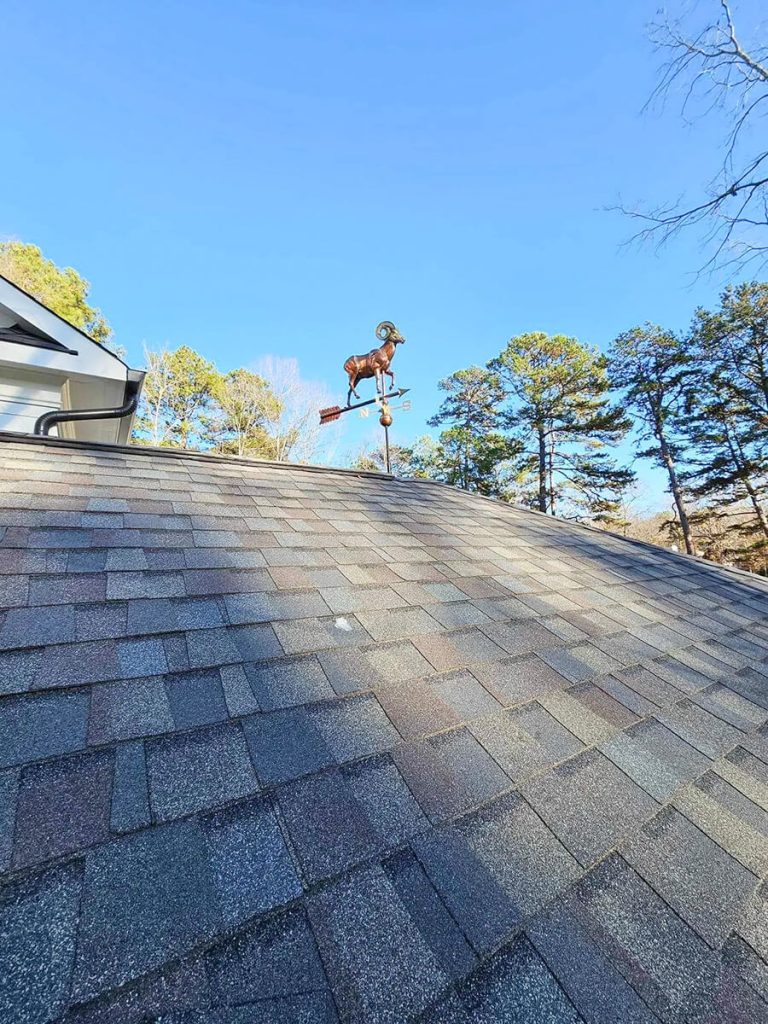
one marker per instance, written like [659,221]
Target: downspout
[44,423]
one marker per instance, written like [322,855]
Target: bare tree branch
[718,73]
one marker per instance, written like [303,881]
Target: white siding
[24,397]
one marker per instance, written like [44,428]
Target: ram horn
[385,328]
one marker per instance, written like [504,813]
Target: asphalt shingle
[197,770]
[251,867]
[449,773]
[38,928]
[589,804]
[146,899]
[379,965]
[365,750]
[326,824]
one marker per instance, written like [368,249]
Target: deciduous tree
[717,74]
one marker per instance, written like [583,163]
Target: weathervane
[374,364]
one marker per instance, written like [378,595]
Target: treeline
[187,403]
[540,425]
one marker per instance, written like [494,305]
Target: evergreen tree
[62,290]
[560,415]
[243,404]
[727,422]
[652,367]
[374,460]
[472,451]
[176,399]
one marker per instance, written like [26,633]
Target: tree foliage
[652,367]
[244,404]
[177,398]
[472,452]
[558,411]
[62,290]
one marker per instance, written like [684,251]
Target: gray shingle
[140,658]
[100,621]
[589,804]
[352,670]
[519,637]
[239,696]
[48,590]
[287,683]
[144,584]
[130,796]
[483,910]
[462,692]
[449,773]
[587,975]
[469,887]
[196,698]
[120,711]
[35,627]
[380,967]
[303,635]
[354,727]
[164,616]
[9,791]
[657,759]
[459,649]
[700,729]
[415,709]
[680,862]
[430,915]
[268,607]
[523,856]
[63,806]
[579,663]
[327,826]
[514,682]
[285,745]
[673,969]
[524,740]
[146,899]
[268,961]
[251,868]
[19,670]
[42,726]
[198,770]
[516,986]
[380,790]
[398,623]
[38,926]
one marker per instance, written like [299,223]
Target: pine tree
[472,451]
[652,367]
[727,425]
[560,415]
[243,404]
[176,398]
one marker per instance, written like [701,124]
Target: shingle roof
[287,746]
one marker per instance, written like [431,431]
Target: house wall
[24,397]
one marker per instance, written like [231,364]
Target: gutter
[48,420]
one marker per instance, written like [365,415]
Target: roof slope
[288,746]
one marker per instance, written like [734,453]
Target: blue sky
[255,178]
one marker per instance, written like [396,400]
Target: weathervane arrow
[333,412]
